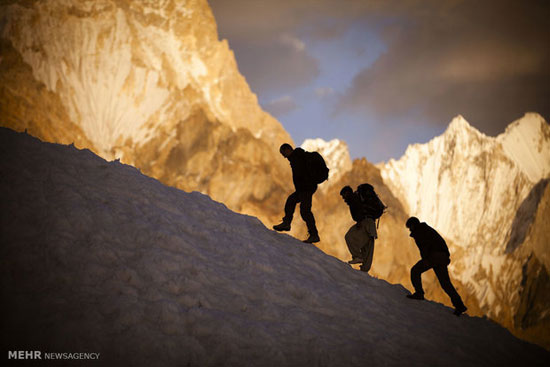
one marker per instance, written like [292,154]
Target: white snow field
[98,258]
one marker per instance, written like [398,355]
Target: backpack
[373,206]
[317,167]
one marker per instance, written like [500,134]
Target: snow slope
[97,257]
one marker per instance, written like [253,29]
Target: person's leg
[416,276]
[367,254]
[354,241]
[290,206]
[442,274]
[305,211]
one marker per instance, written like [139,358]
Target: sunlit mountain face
[151,84]
[489,197]
[146,83]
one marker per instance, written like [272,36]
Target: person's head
[286,150]
[346,192]
[411,223]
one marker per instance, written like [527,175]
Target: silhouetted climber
[435,255]
[360,237]
[305,184]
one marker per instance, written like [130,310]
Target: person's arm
[356,209]
[424,240]
[299,169]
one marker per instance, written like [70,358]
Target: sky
[383,74]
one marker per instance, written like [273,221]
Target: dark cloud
[259,19]
[488,61]
[276,65]
[263,35]
[281,106]
[259,32]
[324,92]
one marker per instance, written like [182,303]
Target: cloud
[276,65]
[485,60]
[324,92]
[259,19]
[268,50]
[268,37]
[281,106]
[293,42]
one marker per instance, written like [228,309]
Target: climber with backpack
[308,170]
[365,207]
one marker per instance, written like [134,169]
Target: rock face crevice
[525,216]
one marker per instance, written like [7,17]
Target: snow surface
[97,257]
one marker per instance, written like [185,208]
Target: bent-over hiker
[360,237]
[434,255]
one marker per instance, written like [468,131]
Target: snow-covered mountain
[336,155]
[148,83]
[122,69]
[489,196]
[103,259]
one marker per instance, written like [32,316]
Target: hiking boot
[312,238]
[285,226]
[364,268]
[416,295]
[355,260]
[460,310]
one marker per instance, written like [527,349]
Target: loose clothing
[360,240]
[360,237]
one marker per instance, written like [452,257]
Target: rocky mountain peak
[527,142]
[122,69]
[459,123]
[483,194]
[461,132]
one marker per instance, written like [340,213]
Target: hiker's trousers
[438,262]
[360,240]
[304,198]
